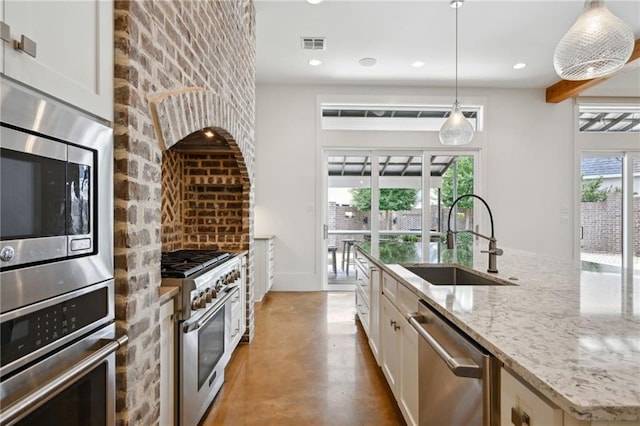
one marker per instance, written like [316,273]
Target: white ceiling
[493,36]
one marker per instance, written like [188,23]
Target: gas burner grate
[184,263]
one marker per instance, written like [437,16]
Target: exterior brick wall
[163,50]
[602,225]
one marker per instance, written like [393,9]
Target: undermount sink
[453,275]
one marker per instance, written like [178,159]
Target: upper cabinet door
[73,46]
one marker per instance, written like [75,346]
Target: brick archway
[179,113]
[207,198]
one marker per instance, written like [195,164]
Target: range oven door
[72,387]
[204,353]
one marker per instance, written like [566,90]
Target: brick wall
[602,225]
[212,207]
[180,66]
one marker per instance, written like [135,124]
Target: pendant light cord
[457,54]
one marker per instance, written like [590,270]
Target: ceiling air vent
[313,43]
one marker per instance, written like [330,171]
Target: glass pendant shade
[598,44]
[456,130]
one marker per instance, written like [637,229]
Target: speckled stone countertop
[570,329]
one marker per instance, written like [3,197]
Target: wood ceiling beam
[565,89]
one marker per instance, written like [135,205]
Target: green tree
[591,191]
[464,183]
[391,199]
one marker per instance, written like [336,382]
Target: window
[393,117]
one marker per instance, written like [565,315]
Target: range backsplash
[205,202]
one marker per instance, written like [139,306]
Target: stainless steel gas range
[210,322]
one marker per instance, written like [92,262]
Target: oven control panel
[209,292]
[28,333]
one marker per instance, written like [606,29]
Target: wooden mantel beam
[565,89]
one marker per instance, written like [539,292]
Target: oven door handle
[51,388]
[188,327]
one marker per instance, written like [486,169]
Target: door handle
[461,367]
[325,232]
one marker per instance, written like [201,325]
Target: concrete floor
[309,364]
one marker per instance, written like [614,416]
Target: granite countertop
[571,329]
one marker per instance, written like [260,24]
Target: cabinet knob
[26,45]
[5,32]
[519,418]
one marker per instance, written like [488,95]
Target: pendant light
[597,45]
[456,130]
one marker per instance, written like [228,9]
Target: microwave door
[32,204]
[79,209]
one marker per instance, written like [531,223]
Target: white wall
[527,156]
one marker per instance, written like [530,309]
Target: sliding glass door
[348,215]
[395,204]
[610,209]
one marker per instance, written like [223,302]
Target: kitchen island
[569,329]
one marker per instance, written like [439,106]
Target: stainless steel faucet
[493,251]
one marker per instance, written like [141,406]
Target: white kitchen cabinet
[264,256]
[362,290]
[390,341]
[520,406]
[167,363]
[238,307]
[374,311]
[73,57]
[399,347]
[409,387]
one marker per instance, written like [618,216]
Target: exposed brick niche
[205,199]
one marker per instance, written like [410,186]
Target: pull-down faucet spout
[493,251]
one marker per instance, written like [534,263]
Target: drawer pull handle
[5,32]
[26,45]
[520,418]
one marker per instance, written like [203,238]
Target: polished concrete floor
[309,364]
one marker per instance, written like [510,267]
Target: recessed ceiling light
[519,66]
[314,1]
[367,62]
[417,64]
[315,62]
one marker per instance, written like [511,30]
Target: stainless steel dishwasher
[459,380]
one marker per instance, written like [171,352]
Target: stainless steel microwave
[46,198]
[56,197]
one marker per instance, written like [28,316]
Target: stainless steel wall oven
[57,330]
[58,360]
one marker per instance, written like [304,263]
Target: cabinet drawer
[407,300]
[362,310]
[389,287]
[517,401]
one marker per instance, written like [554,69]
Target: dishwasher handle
[461,367]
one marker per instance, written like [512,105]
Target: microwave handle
[33,400]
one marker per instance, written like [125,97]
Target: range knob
[208,297]
[195,303]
